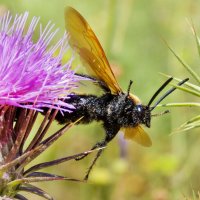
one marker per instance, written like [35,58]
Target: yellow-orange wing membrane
[138,135]
[86,44]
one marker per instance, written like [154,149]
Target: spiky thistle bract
[189,88]
[32,76]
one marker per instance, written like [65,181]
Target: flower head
[31,75]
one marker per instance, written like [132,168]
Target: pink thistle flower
[31,75]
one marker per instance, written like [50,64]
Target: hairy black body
[115,111]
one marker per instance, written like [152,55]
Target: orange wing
[86,44]
[138,135]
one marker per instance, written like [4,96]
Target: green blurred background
[131,33]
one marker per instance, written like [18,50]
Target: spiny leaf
[190,124]
[20,197]
[196,37]
[43,176]
[186,104]
[35,190]
[45,144]
[22,181]
[186,66]
[190,85]
[43,128]
[16,161]
[187,90]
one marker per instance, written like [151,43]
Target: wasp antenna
[129,87]
[159,114]
[168,93]
[159,90]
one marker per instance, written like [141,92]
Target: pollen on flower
[31,73]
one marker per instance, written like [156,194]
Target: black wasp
[115,108]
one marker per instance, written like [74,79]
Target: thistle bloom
[31,77]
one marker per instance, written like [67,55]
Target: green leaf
[186,66]
[196,37]
[188,84]
[186,104]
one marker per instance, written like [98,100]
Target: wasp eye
[139,108]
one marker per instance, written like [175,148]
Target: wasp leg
[111,131]
[97,145]
[93,163]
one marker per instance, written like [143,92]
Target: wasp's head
[144,114]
